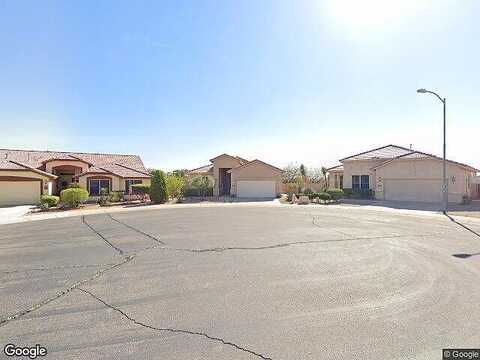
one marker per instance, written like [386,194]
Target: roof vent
[411,146]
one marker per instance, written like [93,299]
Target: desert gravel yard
[242,282]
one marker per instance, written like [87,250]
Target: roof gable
[255,162]
[237,159]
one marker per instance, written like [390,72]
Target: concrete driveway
[240,282]
[12,214]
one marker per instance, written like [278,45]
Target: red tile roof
[421,155]
[384,152]
[336,168]
[206,169]
[118,164]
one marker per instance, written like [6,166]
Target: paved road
[240,282]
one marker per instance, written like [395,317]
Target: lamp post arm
[438,96]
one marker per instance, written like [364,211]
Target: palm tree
[303,174]
[324,173]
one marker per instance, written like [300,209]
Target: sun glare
[370,14]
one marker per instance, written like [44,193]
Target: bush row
[329,194]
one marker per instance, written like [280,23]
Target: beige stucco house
[238,177]
[397,173]
[25,175]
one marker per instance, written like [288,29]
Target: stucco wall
[430,170]
[115,180]
[118,183]
[51,164]
[359,167]
[222,162]
[333,179]
[256,171]
[121,183]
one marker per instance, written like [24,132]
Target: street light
[445,183]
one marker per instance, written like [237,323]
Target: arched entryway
[67,174]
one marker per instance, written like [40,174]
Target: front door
[225,181]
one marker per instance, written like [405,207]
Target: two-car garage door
[256,189]
[24,192]
[419,190]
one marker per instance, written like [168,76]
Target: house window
[365,182]
[355,182]
[129,183]
[96,185]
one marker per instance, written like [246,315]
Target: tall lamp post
[445,183]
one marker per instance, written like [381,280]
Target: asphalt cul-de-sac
[242,282]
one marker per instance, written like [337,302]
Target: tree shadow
[463,256]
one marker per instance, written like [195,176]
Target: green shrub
[141,189]
[115,196]
[324,196]
[103,199]
[198,186]
[336,194]
[49,201]
[74,186]
[158,188]
[309,192]
[73,197]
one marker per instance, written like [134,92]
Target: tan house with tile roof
[25,175]
[238,177]
[400,174]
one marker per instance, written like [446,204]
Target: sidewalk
[19,214]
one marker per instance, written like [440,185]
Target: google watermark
[461,354]
[31,352]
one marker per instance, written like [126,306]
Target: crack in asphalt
[120,251]
[63,292]
[173,330]
[274,246]
[56,268]
[135,229]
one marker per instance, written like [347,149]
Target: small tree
[290,173]
[158,187]
[175,185]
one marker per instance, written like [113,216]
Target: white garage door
[19,192]
[413,190]
[256,189]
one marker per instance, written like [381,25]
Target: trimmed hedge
[158,187]
[73,197]
[49,200]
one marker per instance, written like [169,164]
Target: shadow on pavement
[463,256]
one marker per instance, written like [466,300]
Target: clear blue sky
[179,82]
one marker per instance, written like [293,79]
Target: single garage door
[19,192]
[413,190]
[256,189]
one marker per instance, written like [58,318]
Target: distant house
[235,176]
[27,174]
[397,173]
